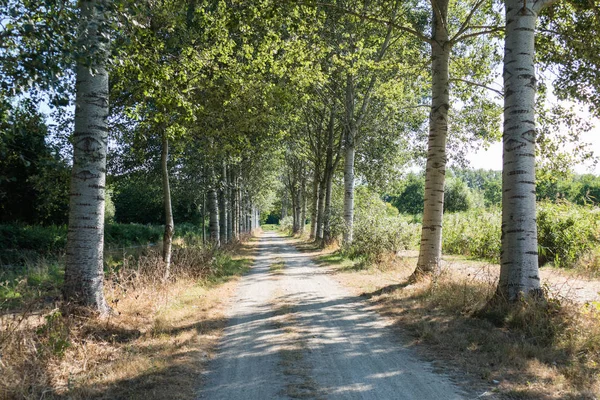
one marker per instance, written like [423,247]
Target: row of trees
[374,92]
[235,101]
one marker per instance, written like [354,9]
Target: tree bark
[321,209]
[230,217]
[350,151]
[315,203]
[213,210]
[430,251]
[235,221]
[519,273]
[223,206]
[169,224]
[204,218]
[84,273]
[327,212]
[303,204]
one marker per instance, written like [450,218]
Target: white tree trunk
[84,273]
[315,203]
[223,206]
[213,210]
[169,224]
[350,151]
[430,251]
[519,273]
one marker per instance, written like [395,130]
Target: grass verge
[153,347]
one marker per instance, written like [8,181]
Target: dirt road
[294,332]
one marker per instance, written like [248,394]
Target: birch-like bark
[284,205]
[327,211]
[169,224]
[213,210]
[320,209]
[223,206]
[235,221]
[519,273]
[430,251]
[84,274]
[315,203]
[230,207]
[350,151]
[303,204]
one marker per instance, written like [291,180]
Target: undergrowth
[152,345]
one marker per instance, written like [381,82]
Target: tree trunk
[230,208]
[169,224]
[223,206]
[204,218]
[321,208]
[327,213]
[84,273]
[213,210]
[350,151]
[315,203]
[519,273]
[430,251]
[303,205]
[284,205]
[235,221]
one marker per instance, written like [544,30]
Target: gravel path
[296,333]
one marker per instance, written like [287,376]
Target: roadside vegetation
[156,340]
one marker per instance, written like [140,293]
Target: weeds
[153,345]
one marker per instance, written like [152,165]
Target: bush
[378,229]
[567,232]
[475,233]
[286,225]
[42,239]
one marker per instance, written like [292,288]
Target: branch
[438,14]
[480,33]
[539,5]
[371,18]
[481,85]
[465,25]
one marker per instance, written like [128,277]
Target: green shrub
[42,239]
[378,229]
[567,232]
[286,225]
[475,233]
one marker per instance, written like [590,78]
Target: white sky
[492,157]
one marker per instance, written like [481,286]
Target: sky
[491,158]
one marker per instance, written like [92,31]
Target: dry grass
[154,346]
[535,350]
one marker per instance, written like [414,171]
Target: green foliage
[475,233]
[138,200]
[411,195]
[378,229]
[286,225]
[457,196]
[54,334]
[488,182]
[566,232]
[34,180]
[42,239]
